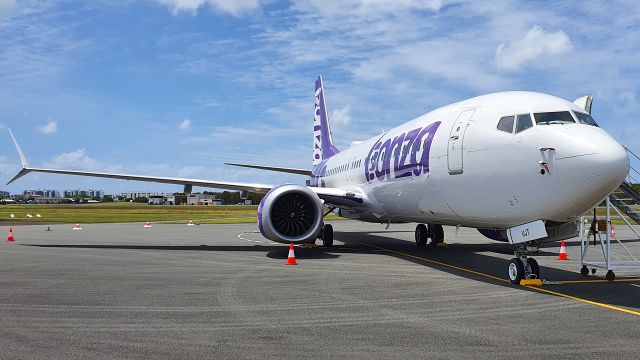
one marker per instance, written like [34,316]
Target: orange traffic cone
[10,238]
[613,232]
[190,223]
[147,225]
[291,260]
[563,252]
[77,227]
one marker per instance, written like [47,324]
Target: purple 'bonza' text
[409,152]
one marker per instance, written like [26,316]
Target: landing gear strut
[523,267]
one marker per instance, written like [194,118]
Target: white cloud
[2,126]
[6,5]
[233,7]
[48,128]
[76,159]
[341,117]
[185,125]
[536,44]
[368,7]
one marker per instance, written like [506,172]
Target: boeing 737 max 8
[518,166]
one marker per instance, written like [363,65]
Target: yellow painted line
[439,263]
[595,303]
[595,281]
[606,306]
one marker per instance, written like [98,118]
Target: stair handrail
[630,178]
[631,152]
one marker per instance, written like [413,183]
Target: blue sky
[177,87]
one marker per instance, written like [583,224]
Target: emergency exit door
[455,152]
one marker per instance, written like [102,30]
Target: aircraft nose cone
[590,165]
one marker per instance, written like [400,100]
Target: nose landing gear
[523,267]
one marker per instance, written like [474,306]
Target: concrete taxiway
[222,291]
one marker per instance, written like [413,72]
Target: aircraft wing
[331,196]
[257,188]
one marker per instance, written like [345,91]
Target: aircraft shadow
[470,256]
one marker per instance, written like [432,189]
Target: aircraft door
[456,142]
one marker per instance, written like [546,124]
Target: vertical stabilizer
[323,147]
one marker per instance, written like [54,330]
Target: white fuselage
[476,175]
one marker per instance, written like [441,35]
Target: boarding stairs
[625,202]
[626,197]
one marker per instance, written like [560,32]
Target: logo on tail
[323,147]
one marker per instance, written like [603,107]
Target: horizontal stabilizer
[274,168]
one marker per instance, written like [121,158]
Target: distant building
[93,194]
[156,199]
[41,193]
[141,194]
[4,194]
[202,199]
[183,199]
[49,200]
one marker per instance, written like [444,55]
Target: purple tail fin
[322,144]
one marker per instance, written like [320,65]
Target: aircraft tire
[327,236]
[515,270]
[422,235]
[436,233]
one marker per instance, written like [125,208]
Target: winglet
[25,170]
[23,160]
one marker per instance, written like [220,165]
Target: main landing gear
[326,235]
[523,267]
[432,231]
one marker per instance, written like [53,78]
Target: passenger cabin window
[585,119]
[524,122]
[506,124]
[556,117]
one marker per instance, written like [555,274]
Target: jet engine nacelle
[290,213]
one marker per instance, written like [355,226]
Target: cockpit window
[557,117]
[585,119]
[506,124]
[524,122]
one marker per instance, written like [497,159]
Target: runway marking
[606,306]
[636,285]
[439,263]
